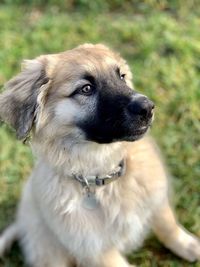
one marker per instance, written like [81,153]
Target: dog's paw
[186,246]
[192,252]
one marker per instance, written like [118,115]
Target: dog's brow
[89,78]
[117,70]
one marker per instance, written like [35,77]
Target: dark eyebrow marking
[89,78]
[118,71]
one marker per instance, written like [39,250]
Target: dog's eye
[122,76]
[86,90]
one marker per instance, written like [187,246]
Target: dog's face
[84,94]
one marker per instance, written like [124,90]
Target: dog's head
[84,94]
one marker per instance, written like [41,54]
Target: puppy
[99,185]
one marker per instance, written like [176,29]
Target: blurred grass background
[161,41]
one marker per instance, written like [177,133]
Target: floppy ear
[19,102]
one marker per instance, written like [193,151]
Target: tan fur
[54,228]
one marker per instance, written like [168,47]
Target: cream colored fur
[53,226]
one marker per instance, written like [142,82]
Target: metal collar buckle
[88,181]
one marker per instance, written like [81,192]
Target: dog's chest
[108,219]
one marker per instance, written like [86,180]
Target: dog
[99,184]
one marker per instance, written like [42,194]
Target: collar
[93,180]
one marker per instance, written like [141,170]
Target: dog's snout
[141,106]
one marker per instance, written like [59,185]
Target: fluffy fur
[54,228]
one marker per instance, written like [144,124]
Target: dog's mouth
[138,133]
[130,136]
[142,130]
[135,134]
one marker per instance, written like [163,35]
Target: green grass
[162,48]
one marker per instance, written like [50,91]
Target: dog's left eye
[86,90]
[122,76]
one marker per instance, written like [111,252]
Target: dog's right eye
[86,90]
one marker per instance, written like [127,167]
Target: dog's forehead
[92,60]
[97,61]
[95,65]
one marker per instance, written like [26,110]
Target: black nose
[141,106]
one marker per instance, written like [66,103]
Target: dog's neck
[83,158]
[93,159]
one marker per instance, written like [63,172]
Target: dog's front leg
[112,258]
[174,236]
